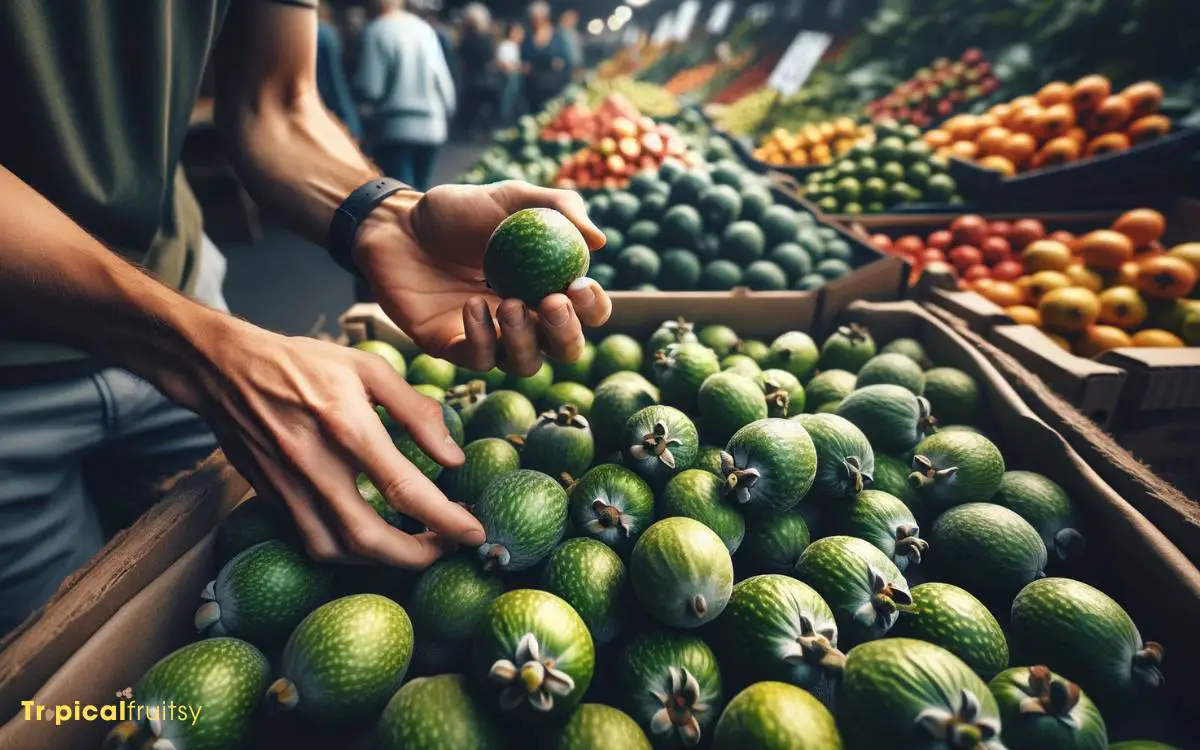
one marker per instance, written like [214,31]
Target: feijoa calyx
[534,253]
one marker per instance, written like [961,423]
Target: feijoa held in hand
[534,253]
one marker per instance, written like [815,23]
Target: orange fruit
[1148,128]
[992,140]
[1003,293]
[1127,274]
[1141,225]
[1019,148]
[1157,338]
[1112,114]
[1079,135]
[1105,249]
[999,164]
[1081,275]
[1166,277]
[936,138]
[1088,92]
[1024,315]
[988,120]
[962,127]
[1144,97]
[1025,120]
[820,154]
[1046,255]
[1055,92]
[1023,101]
[1055,121]
[1188,251]
[1057,151]
[1098,339]
[1109,143]
[1066,238]
[1068,310]
[964,149]
[1123,307]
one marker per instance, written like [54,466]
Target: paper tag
[719,20]
[798,62]
[662,29]
[685,19]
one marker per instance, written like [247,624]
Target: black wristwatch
[343,228]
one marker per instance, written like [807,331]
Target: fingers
[477,351]
[519,336]
[591,303]
[561,333]
[420,415]
[517,195]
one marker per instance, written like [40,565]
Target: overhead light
[637,3]
[622,12]
[615,23]
[595,26]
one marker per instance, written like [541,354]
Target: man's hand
[295,416]
[424,258]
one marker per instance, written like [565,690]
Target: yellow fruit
[1068,310]
[1081,275]
[1046,255]
[1037,285]
[1156,337]
[1123,307]
[1024,315]
[1189,251]
[1099,339]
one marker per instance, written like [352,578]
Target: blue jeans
[411,163]
[512,91]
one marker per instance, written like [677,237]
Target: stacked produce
[825,97]
[739,529]
[812,145]
[1092,292]
[584,124]
[1061,124]
[749,80]
[647,98]
[621,150]
[897,168]
[691,78]
[938,91]
[711,228]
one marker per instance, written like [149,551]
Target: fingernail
[557,315]
[473,538]
[455,449]
[477,309]
[582,293]
[513,316]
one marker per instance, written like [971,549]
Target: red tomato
[965,256]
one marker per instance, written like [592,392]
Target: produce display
[1060,124]
[648,98]
[732,562]
[899,167]
[623,149]
[711,228]
[938,91]
[814,145]
[1090,292]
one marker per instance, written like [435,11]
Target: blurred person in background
[403,76]
[545,54]
[477,53]
[118,364]
[512,72]
[568,27]
[331,73]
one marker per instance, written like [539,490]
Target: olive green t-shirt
[99,94]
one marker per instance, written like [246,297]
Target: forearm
[59,284]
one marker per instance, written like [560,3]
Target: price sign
[662,30]
[719,20]
[685,19]
[798,62]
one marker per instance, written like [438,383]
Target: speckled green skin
[794,352]
[492,378]
[565,392]
[1042,503]
[980,467]
[836,439]
[910,348]
[501,414]
[788,382]
[828,386]
[762,618]
[954,396]
[741,364]
[896,369]
[838,567]
[721,339]
[348,657]
[486,459]
[642,423]
[266,591]
[427,370]
[676,560]
[579,371]
[890,416]
[950,617]
[556,449]
[1081,728]
[532,387]
[590,577]
[1077,630]
[224,675]
[680,375]
[561,635]
[408,446]
[773,544]
[594,726]
[620,488]
[616,401]
[1141,745]
[729,401]
[373,497]
[533,253]
[755,350]
[786,459]
[431,391]
[437,713]
[644,667]
[251,522]
[526,513]
[708,458]
[616,353]
[876,517]
[697,494]
[451,597]
[888,683]
[841,352]
[776,716]
[986,549]
[389,353]
[891,476]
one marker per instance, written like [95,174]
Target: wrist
[389,227]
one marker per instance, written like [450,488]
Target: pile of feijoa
[693,540]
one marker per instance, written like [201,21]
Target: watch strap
[343,228]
